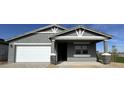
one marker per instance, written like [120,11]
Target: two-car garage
[33,53]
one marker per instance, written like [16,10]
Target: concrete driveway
[62,65]
[24,65]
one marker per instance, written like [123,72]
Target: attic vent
[80,32]
[54,29]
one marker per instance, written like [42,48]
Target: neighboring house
[120,54]
[3,50]
[55,43]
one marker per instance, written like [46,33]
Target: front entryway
[62,51]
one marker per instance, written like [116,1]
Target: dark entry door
[62,51]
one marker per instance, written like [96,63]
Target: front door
[62,51]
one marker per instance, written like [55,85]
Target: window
[81,49]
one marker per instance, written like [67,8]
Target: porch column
[105,46]
[53,47]
[106,56]
[53,53]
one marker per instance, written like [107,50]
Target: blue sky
[117,30]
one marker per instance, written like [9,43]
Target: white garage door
[33,53]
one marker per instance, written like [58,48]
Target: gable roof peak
[37,30]
[78,27]
[58,25]
[85,28]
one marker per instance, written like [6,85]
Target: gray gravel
[62,65]
[24,65]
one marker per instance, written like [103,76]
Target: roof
[65,30]
[36,30]
[83,27]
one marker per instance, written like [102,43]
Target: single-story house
[120,54]
[54,43]
[3,50]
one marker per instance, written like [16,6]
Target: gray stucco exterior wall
[11,53]
[3,52]
[92,49]
[35,38]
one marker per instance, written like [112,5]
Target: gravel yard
[24,65]
[62,65]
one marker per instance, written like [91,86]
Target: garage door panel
[33,53]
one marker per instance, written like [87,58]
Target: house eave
[82,27]
[80,38]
